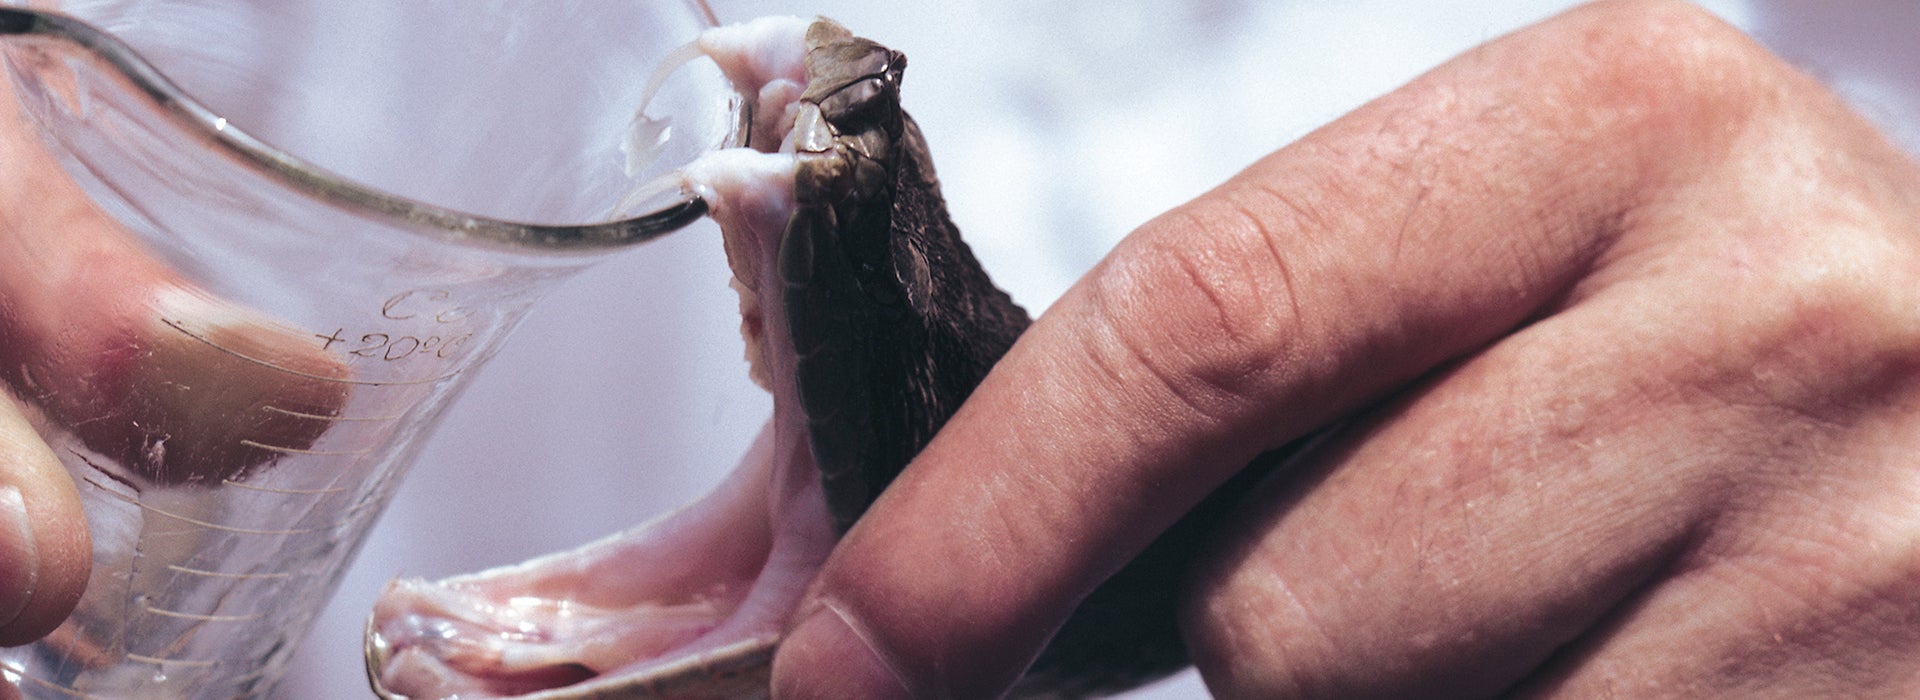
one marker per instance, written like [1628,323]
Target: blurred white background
[1057,127]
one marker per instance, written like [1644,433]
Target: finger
[45,554]
[170,382]
[1407,234]
[1599,482]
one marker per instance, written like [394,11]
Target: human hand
[1617,319]
[86,354]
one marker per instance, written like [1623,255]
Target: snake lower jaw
[692,604]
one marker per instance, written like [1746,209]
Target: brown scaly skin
[896,322]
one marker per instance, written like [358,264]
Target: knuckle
[1250,636]
[1853,294]
[1836,581]
[1201,302]
[1679,74]
[1825,326]
[1661,43]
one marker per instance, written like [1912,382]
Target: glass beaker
[235,351]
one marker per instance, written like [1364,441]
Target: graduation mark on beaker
[297,451]
[212,525]
[202,617]
[224,574]
[290,492]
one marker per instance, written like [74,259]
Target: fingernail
[19,558]
[826,657]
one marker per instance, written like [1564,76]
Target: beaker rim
[307,177]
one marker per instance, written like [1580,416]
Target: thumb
[45,554]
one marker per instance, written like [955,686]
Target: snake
[871,321]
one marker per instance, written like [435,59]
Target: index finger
[1419,228]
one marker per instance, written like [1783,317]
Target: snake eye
[855,82]
[861,104]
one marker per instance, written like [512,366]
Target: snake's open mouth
[693,603]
